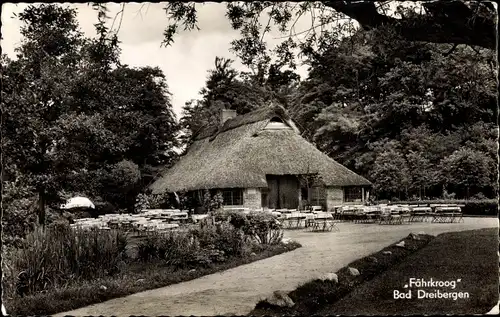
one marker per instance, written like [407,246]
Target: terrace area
[237,290]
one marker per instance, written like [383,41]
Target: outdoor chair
[369,214]
[309,219]
[336,212]
[360,217]
[392,219]
[348,213]
[323,222]
[390,216]
[293,220]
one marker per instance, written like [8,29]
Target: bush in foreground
[197,247]
[261,227]
[51,257]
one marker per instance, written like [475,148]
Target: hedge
[485,207]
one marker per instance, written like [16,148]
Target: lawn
[470,256]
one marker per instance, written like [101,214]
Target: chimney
[227,114]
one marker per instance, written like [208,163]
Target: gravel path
[237,290]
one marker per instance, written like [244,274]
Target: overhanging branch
[444,22]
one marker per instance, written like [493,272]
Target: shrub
[19,218]
[265,228]
[58,254]
[224,237]
[261,227]
[200,246]
[103,208]
[174,248]
[147,201]
[479,196]
[212,202]
[487,207]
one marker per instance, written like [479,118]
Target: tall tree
[73,116]
[390,174]
[35,94]
[467,169]
[422,174]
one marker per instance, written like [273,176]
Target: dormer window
[276,123]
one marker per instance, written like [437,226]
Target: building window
[352,194]
[277,124]
[233,197]
[318,196]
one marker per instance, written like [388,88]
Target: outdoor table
[420,214]
[309,219]
[360,217]
[283,211]
[369,217]
[348,215]
[276,213]
[178,216]
[447,215]
[323,222]
[293,221]
[390,219]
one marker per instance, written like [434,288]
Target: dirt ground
[237,290]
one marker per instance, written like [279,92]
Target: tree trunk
[41,207]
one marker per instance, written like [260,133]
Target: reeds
[55,256]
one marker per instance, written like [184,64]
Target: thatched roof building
[246,149]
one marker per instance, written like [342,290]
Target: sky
[185,63]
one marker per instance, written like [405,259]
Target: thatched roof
[241,153]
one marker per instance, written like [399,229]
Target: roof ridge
[259,114]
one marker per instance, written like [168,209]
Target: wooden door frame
[281,202]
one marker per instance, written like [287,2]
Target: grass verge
[468,256]
[315,295]
[136,277]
